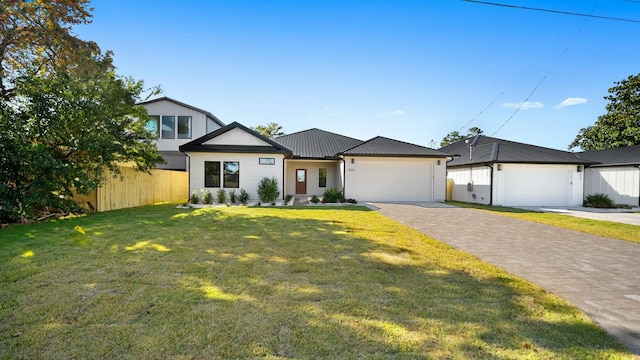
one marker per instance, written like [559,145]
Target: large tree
[270,130]
[455,136]
[620,126]
[65,115]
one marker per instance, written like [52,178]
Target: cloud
[524,105]
[572,101]
[398,112]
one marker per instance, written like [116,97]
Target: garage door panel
[537,186]
[394,181]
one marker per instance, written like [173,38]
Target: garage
[393,179]
[535,185]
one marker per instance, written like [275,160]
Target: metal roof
[382,146]
[492,150]
[164,98]
[198,146]
[620,156]
[316,144]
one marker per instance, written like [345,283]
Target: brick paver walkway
[601,276]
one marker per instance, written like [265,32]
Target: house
[176,123]
[616,174]
[493,171]
[308,162]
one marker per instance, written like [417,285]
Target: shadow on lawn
[241,283]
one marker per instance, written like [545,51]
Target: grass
[595,227]
[161,282]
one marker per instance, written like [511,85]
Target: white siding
[620,183]
[395,179]
[537,185]
[236,136]
[313,176]
[471,184]
[250,171]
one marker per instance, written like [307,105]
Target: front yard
[161,282]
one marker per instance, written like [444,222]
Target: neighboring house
[617,174]
[499,172]
[307,163]
[176,123]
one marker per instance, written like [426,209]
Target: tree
[455,136]
[620,126]
[65,116]
[270,130]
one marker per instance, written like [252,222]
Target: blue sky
[409,70]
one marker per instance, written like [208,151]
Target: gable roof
[316,144]
[492,150]
[164,98]
[382,146]
[620,156]
[198,145]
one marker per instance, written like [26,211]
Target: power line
[555,11]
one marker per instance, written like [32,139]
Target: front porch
[305,178]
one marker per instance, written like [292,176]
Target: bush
[598,201]
[287,199]
[244,196]
[315,199]
[332,195]
[232,196]
[222,196]
[194,199]
[268,190]
[207,198]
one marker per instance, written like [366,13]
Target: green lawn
[596,227]
[294,283]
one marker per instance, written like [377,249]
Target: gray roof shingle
[382,146]
[492,150]
[316,144]
[621,156]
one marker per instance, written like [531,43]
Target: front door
[301,181]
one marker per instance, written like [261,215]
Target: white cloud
[572,101]
[524,105]
[398,112]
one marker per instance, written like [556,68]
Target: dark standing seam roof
[490,150]
[620,156]
[382,146]
[316,143]
[208,114]
[198,146]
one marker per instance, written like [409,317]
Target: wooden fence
[136,189]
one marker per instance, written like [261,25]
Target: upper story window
[168,127]
[184,127]
[153,126]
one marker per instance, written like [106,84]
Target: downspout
[188,175]
[344,175]
[490,185]
[284,178]
[639,189]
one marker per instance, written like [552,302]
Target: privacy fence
[137,188]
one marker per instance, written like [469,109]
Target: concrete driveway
[601,276]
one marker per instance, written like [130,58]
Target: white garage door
[537,185]
[395,179]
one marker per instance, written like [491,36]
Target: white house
[617,174]
[493,171]
[307,163]
[176,123]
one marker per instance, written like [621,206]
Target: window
[212,174]
[267,161]
[184,127]
[168,127]
[153,125]
[231,174]
[322,178]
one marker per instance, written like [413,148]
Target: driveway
[599,275]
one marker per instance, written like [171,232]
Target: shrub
[194,199]
[332,195]
[222,196]
[244,196]
[287,199]
[598,201]
[315,199]
[207,198]
[232,196]
[268,190]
